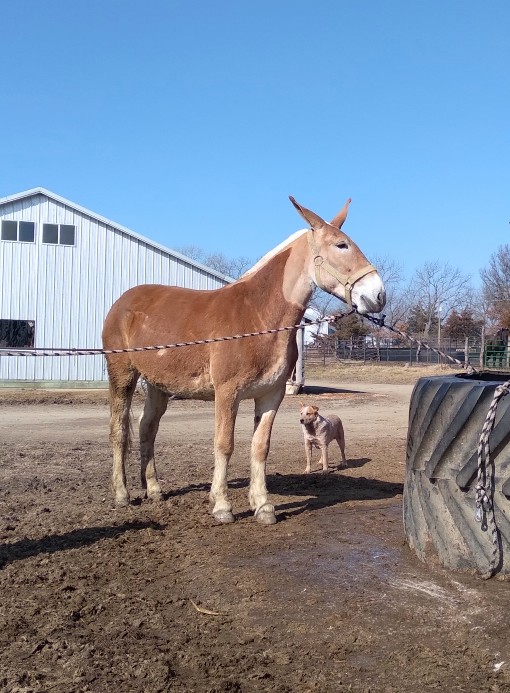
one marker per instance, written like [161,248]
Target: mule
[273,293]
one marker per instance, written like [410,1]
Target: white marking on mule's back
[272,253]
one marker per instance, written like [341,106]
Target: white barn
[310,332]
[61,268]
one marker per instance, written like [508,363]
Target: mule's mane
[272,253]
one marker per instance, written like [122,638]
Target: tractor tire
[446,416]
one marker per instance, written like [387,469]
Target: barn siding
[68,290]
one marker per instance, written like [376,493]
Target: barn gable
[61,268]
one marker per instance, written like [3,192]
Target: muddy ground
[156,597]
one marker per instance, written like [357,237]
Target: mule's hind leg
[122,385]
[155,406]
[266,408]
[226,407]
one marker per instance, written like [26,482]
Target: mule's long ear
[342,215]
[311,218]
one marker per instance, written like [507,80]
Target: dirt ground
[156,597]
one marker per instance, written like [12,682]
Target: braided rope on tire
[484,491]
[484,501]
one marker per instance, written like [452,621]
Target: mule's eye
[342,245]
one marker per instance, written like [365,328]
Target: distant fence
[331,350]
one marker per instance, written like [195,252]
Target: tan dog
[318,432]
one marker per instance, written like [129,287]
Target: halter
[347,281]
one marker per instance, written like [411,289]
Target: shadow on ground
[25,548]
[326,389]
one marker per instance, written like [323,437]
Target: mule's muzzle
[367,304]
[369,294]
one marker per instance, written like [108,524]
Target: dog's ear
[301,404]
[316,409]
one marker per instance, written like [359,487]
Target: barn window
[66,234]
[23,231]
[17,334]
[59,234]
[50,233]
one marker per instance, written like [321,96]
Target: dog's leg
[308,452]
[341,444]
[324,457]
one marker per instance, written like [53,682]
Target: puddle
[343,557]
[361,555]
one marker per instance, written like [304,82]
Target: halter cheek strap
[346,280]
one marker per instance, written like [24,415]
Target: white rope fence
[50,351]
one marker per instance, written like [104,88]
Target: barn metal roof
[115,225]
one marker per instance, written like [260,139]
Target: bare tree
[397,303]
[192,251]
[231,267]
[496,286]
[481,308]
[438,288]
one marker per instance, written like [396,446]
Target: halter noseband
[347,281]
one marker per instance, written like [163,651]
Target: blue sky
[192,122]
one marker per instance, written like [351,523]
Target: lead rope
[380,322]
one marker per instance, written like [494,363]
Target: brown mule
[274,293]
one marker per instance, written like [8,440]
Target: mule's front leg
[225,416]
[265,411]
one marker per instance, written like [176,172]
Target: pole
[439,332]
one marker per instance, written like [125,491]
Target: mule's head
[338,266]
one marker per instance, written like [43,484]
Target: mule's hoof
[122,502]
[156,496]
[224,517]
[265,514]
[343,465]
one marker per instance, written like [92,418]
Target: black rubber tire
[446,416]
